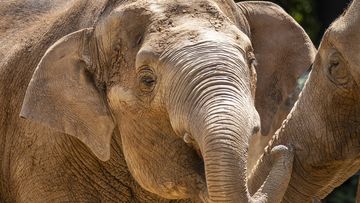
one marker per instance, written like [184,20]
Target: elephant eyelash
[139,40]
[146,79]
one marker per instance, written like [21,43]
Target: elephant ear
[283,52]
[62,94]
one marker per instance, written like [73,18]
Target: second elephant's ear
[62,94]
[283,52]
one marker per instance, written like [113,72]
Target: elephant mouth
[190,141]
[201,183]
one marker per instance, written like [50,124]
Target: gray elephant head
[330,108]
[323,126]
[178,81]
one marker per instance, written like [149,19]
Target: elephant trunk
[222,137]
[224,148]
[211,105]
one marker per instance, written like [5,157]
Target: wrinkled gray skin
[163,91]
[323,127]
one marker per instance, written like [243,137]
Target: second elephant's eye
[337,71]
[146,80]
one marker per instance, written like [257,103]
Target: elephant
[143,101]
[323,126]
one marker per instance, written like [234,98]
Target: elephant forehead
[169,18]
[163,9]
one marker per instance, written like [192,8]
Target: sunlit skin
[323,127]
[145,100]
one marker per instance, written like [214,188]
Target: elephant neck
[291,134]
[110,181]
[320,163]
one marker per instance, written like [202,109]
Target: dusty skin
[323,127]
[140,101]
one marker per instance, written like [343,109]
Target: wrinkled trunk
[211,105]
[223,148]
[305,183]
[323,134]
[296,132]
[323,126]
[224,151]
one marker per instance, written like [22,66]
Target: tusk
[188,139]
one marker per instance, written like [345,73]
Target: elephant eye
[146,80]
[337,71]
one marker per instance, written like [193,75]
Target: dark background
[315,16]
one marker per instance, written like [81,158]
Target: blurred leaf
[297,16]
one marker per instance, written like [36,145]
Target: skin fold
[144,101]
[323,127]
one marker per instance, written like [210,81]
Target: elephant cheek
[120,99]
